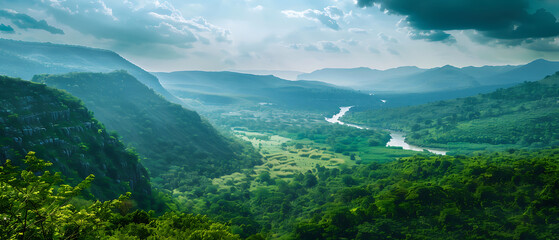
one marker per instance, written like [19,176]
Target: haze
[294,35]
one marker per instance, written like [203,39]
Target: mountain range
[446,78]
[219,89]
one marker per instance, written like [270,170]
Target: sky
[294,35]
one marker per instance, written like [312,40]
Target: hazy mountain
[166,134]
[356,77]
[532,71]
[447,78]
[60,129]
[443,78]
[288,75]
[229,88]
[25,59]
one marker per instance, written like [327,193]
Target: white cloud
[321,46]
[327,17]
[357,30]
[257,8]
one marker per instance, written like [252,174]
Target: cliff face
[167,135]
[60,129]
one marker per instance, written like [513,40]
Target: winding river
[397,139]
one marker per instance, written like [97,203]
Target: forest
[509,195]
[523,116]
[314,180]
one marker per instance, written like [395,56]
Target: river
[397,139]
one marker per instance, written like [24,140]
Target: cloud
[24,21]
[334,12]
[432,36]
[134,22]
[544,45]
[350,42]
[6,28]
[386,38]
[322,46]
[393,51]
[328,17]
[257,8]
[499,19]
[357,30]
[373,50]
[330,47]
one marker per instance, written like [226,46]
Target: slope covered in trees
[177,143]
[35,205]
[26,59]
[59,128]
[526,115]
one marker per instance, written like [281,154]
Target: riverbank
[397,139]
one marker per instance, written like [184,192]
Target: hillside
[228,89]
[446,78]
[176,143]
[60,129]
[506,195]
[26,59]
[526,115]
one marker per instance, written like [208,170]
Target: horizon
[301,36]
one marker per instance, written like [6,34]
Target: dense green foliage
[342,138]
[59,128]
[319,180]
[499,196]
[490,196]
[35,205]
[176,143]
[526,115]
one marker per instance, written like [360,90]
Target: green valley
[313,120]
[178,147]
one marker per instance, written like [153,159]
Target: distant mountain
[60,129]
[447,78]
[288,75]
[26,59]
[532,71]
[356,77]
[236,89]
[173,140]
[443,78]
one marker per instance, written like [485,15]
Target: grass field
[283,158]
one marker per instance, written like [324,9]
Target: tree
[310,179]
[33,205]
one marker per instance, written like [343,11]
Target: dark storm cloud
[25,21]
[432,36]
[499,19]
[6,28]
